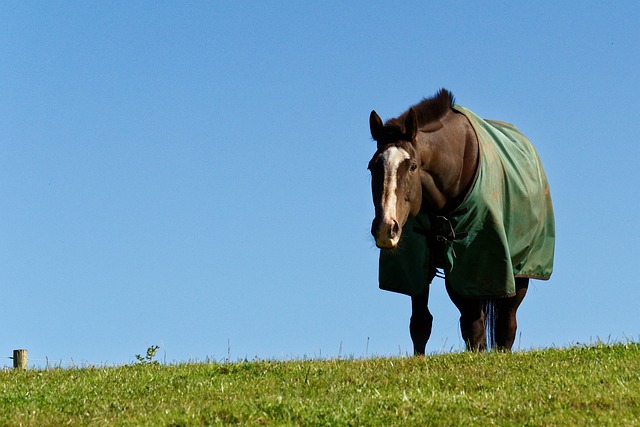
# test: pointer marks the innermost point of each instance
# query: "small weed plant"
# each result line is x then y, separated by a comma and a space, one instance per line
148, 358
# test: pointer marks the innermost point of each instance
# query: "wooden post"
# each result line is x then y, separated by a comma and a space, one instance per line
20, 359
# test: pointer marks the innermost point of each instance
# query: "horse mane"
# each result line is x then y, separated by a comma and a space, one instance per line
427, 111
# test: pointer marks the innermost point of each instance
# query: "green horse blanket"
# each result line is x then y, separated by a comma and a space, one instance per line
502, 230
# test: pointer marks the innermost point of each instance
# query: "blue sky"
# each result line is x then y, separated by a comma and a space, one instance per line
193, 174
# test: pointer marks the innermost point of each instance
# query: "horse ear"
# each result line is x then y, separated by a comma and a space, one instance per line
411, 125
376, 126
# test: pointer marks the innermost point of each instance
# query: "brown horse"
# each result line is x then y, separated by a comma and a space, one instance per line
429, 162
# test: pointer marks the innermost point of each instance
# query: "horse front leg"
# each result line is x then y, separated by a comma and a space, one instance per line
506, 308
421, 322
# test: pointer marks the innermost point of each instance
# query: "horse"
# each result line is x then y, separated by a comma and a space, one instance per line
467, 198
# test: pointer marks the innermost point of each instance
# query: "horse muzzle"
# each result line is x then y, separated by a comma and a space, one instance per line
386, 232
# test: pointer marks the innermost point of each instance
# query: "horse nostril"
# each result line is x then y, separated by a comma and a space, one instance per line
394, 230
386, 232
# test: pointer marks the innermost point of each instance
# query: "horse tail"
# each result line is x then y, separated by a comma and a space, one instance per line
489, 308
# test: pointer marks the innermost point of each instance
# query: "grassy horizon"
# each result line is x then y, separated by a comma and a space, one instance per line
586, 385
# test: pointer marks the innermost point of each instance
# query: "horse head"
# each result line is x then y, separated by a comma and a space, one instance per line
395, 177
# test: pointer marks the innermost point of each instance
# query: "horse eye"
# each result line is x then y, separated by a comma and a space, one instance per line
413, 167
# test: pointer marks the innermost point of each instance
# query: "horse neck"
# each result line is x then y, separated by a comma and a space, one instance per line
449, 157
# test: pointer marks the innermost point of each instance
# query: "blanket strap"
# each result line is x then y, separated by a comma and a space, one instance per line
448, 239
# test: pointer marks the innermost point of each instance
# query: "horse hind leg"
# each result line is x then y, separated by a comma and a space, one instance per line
506, 324
473, 329
421, 322
472, 319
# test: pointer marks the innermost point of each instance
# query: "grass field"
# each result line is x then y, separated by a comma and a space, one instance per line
590, 385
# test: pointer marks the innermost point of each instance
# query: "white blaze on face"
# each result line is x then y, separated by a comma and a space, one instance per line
392, 157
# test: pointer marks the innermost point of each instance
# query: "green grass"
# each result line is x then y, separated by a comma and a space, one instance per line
595, 385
